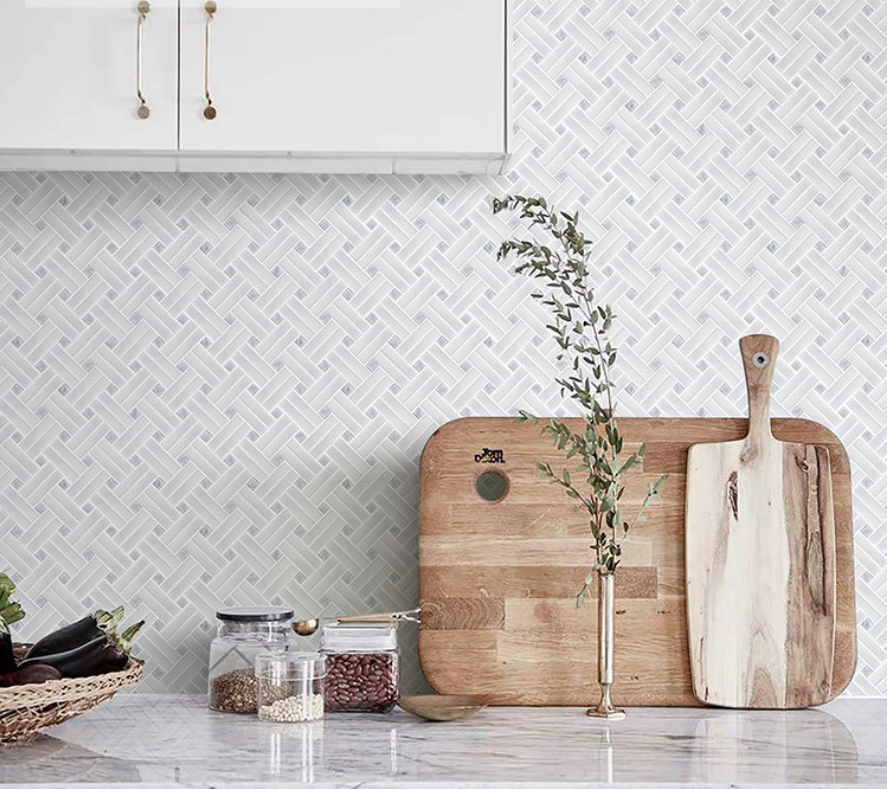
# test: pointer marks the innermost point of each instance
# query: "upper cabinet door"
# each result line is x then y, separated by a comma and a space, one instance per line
68, 75
358, 76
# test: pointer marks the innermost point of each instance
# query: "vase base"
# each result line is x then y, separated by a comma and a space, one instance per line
606, 713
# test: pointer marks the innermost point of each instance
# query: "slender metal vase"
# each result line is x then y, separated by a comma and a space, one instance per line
606, 640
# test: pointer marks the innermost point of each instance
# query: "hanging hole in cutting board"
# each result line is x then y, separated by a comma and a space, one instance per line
492, 486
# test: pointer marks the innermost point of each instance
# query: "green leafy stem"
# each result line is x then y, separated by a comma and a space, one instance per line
10, 612
581, 330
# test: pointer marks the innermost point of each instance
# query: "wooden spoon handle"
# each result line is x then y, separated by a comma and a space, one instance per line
759, 353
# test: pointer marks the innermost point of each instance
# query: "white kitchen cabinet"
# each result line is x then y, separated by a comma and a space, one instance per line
420, 86
68, 77
403, 79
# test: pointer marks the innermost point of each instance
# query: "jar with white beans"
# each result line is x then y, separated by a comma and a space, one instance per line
290, 686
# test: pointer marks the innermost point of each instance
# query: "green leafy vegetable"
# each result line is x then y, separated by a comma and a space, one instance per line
10, 612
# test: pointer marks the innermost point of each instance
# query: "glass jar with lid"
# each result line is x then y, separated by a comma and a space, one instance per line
362, 666
241, 635
291, 686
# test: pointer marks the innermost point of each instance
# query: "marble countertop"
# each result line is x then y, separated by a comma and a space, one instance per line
171, 741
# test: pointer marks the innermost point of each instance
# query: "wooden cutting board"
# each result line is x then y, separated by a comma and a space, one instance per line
760, 549
498, 579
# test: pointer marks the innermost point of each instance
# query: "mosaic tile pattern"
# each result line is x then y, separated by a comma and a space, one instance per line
215, 389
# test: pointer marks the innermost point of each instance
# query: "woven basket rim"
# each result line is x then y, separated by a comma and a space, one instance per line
61, 690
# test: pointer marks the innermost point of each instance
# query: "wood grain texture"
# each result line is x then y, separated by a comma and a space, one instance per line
761, 560
541, 650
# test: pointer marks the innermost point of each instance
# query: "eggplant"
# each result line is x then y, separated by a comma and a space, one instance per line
35, 674
77, 633
84, 648
102, 655
7, 656
10, 613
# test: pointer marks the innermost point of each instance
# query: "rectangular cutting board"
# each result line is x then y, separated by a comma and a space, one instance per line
498, 580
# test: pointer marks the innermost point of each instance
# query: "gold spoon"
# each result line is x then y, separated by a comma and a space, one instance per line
306, 627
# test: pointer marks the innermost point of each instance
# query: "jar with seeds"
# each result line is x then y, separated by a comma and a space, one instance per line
241, 635
362, 661
290, 686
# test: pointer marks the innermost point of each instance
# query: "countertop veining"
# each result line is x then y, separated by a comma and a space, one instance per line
167, 741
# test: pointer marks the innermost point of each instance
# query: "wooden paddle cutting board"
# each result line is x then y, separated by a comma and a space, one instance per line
498, 579
761, 560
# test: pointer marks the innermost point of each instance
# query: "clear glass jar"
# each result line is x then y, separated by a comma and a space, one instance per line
291, 686
362, 666
241, 635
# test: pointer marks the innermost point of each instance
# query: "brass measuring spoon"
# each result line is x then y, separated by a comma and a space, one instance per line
308, 627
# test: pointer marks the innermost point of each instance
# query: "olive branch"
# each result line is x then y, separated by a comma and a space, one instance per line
581, 329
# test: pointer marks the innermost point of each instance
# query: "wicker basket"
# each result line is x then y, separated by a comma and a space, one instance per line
27, 709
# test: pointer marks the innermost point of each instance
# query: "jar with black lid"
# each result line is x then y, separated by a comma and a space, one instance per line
362, 666
241, 635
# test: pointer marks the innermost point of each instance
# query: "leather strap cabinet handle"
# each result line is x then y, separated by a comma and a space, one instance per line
143, 110
209, 112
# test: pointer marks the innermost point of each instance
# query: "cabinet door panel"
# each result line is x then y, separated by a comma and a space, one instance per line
328, 76
69, 75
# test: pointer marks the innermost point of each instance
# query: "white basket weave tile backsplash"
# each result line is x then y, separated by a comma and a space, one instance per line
215, 389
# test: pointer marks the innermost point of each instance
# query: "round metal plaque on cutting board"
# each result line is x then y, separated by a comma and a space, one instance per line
491, 486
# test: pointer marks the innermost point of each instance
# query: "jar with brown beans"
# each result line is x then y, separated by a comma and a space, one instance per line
363, 671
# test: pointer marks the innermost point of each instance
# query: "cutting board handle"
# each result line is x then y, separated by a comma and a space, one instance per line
759, 353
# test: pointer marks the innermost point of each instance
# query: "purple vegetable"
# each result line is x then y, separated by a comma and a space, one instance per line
109, 652
68, 637
7, 658
34, 674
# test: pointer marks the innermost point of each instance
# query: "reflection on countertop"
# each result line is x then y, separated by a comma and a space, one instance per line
173, 740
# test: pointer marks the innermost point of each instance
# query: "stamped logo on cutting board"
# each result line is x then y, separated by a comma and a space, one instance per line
490, 456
